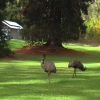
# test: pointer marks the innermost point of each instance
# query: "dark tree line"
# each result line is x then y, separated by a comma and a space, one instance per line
4, 49
54, 21
62, 18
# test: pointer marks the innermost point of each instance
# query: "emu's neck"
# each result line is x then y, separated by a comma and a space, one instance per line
82, 68
42, 61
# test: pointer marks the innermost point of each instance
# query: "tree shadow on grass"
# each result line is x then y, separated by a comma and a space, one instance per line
57, 59
12, 73
18, 82
74, 87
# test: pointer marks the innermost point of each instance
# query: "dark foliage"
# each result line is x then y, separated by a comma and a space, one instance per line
4, 48
62, 18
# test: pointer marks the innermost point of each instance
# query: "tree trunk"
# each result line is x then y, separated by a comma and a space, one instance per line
54, 42
55, 21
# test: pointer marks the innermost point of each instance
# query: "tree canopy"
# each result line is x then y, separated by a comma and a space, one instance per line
54, 21
60, 19
4, 49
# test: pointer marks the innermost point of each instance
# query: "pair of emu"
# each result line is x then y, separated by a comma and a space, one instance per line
50, 67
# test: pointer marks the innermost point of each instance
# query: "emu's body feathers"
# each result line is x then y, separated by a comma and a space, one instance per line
76, 64
49, 67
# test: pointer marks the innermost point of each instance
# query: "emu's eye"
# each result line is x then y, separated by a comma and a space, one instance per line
44, 55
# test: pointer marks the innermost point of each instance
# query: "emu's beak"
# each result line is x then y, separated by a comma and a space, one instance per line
44, 55
85, 68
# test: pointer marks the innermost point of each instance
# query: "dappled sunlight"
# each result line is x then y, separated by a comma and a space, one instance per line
63, 64
30, 82
15, 43
93, 92
23, 78
20, 63
83, 47
15, 82
92, 65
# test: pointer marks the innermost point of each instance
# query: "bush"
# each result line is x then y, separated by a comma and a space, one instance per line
4, 49
97, 30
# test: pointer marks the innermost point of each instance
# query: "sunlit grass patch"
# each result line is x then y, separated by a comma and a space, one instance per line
83, 47
15, 43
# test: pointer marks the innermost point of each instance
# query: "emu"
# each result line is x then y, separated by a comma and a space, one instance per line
76, 64
48, 67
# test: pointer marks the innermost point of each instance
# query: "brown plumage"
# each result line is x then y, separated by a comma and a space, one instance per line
48, 67
76, 64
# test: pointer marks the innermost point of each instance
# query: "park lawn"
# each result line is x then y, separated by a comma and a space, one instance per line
90, 49
14, 43
23, 78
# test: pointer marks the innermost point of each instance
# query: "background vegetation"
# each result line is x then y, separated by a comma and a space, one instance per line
4, 49
92, 21
38, 19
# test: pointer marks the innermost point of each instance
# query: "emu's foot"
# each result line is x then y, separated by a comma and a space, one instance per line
73, 76
48, 81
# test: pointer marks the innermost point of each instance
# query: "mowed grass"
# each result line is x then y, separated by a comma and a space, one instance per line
14, 44
23, 78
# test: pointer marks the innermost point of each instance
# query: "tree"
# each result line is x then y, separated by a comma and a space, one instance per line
12, 11
92, 21
4, 49
62, 18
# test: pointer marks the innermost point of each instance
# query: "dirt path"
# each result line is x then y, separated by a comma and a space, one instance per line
39, 50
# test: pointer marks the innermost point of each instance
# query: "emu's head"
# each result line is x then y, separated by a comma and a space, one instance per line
44, 55
84, 69
69, 65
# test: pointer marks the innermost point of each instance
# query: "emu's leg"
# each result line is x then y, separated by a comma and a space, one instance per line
48, 77
74, 74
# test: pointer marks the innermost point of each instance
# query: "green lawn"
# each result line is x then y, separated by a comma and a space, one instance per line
16, 43
23, 78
